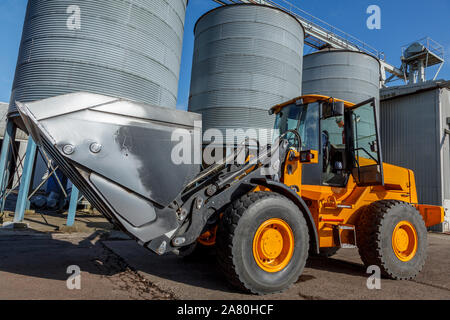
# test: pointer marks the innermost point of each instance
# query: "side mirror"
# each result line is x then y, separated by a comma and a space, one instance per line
335, 109
338, 108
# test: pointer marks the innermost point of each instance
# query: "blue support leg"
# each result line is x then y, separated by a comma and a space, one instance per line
22, 200
73, 206
5, 158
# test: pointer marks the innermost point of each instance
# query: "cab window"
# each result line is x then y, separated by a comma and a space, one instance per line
333, 151
303, 118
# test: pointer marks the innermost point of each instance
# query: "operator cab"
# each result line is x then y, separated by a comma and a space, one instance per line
344, 135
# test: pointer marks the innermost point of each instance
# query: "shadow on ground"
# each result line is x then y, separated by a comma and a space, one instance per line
201, 271
40, 255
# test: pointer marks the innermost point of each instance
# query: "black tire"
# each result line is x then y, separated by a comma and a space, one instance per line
328, 252
187, 252
196, 252
235, 237
374, 237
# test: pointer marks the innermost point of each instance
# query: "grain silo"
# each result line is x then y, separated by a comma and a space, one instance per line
348, 75
247, 58
122, 48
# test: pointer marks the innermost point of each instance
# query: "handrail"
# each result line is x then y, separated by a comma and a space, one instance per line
430, 44
314, 26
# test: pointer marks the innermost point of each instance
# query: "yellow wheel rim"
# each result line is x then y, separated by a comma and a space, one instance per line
404, 241
273, 245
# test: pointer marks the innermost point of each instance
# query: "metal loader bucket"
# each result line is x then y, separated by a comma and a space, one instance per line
118, 153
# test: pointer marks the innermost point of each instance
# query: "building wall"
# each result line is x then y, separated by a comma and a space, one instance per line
413, 136
445, 145
410, 135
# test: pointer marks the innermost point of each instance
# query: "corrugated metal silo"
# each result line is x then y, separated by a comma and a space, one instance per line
247, 58
348, 75
124, 48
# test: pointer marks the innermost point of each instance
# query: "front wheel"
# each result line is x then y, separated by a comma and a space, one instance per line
262, 243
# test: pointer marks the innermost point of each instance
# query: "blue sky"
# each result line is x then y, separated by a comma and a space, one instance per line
403, 21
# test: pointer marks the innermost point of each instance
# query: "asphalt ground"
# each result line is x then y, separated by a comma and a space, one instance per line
33, 265
341, 277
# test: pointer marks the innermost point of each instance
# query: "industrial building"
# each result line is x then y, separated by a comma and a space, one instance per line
415, 134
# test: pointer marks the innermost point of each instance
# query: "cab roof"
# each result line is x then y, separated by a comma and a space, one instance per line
310, 98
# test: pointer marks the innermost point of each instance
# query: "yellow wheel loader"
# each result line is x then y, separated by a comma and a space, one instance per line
320, 186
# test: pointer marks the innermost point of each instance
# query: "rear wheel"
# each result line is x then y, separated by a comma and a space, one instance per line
262, 243
392, 235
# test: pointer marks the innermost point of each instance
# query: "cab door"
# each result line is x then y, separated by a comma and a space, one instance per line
363, 144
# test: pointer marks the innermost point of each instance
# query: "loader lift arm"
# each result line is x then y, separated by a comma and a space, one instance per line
224, 187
